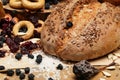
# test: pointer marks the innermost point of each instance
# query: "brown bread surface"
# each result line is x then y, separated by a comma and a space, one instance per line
95, 31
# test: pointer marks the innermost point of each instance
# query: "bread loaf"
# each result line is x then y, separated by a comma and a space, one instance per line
93, 30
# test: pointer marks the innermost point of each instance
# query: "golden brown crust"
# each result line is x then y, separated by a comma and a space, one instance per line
95, 31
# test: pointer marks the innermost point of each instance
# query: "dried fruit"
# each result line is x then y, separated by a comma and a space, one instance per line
22, 76
60, 67
84, 71
18, 72
18, 56
2, 67
31, 76
10, 72
27, 70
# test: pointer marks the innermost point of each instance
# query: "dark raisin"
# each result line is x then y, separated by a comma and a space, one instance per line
27, 70
31, 76
47, 5
84, 71
18, 56
60, 67
39, 56
30, 56
69, 24
1, 44
50, 78
18, 72
5, 2
2, 67
2, 53
39, 59
10, 72
2, 38
22, 76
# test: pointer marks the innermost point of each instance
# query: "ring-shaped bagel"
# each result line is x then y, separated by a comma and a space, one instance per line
33, 5
40, 28
16, 4
29, 32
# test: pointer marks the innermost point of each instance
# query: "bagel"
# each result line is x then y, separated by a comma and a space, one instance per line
29, 32
40, 27
33, 5
15, 4
81, 30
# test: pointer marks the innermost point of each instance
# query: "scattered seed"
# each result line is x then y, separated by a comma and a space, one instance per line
106, 73
111, 68
117, 54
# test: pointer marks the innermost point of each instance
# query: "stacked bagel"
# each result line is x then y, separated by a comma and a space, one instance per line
27, 4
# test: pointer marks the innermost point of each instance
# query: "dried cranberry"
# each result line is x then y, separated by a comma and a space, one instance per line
12, 45
2, 53
29, 45
17, 39
24, 50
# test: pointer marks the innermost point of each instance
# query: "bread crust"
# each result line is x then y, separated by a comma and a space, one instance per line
95, 31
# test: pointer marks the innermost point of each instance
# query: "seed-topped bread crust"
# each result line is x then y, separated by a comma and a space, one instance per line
95, 30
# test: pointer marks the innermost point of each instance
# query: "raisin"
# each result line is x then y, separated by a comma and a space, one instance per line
18, 56
60, 67
1, 44
84, 71
69, 24
10, 72
27, 70
47, 5
2, 53
2, 67
30, 56
39, 59
5, 2
31, 76
18, 72
22, 76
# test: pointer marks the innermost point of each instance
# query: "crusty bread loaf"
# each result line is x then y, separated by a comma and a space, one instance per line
95, 31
